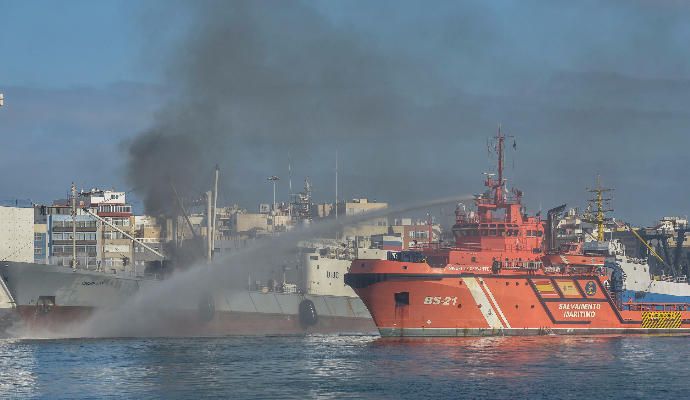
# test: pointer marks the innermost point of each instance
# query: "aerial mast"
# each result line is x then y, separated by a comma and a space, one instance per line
597, 209
500, 152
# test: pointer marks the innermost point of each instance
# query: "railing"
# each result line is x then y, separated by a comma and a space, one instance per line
671, 278
655, 307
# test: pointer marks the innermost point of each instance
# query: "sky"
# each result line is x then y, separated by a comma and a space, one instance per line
407, 92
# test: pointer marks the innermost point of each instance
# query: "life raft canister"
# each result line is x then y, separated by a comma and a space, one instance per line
307, 313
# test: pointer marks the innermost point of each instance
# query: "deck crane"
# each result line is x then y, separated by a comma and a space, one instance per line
663, 239
677, 253
127, 235
648, 246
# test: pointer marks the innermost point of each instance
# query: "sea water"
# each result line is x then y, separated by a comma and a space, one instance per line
341, 367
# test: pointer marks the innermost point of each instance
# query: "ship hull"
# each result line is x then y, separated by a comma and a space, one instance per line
55, 301
62, 320
471, 332
485, 305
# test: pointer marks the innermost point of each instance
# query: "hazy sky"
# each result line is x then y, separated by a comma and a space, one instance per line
407, 91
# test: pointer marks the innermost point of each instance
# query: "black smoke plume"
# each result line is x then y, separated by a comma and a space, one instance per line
408, 92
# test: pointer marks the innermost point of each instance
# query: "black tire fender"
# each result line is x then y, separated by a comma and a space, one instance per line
307, 313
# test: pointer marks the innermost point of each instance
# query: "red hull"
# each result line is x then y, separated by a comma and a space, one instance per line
473, 304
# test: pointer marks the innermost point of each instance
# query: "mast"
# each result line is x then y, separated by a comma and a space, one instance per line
289, 175
215, 204
600, 204
499, 184
73, 193
501, 140
290, 196
336, 184
209, 229
430, 222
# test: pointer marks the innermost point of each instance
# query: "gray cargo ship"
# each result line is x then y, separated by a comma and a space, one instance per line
38, 299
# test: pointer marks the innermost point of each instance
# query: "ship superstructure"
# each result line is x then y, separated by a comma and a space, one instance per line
502, 277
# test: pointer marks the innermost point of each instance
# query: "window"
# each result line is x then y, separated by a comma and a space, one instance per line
401, 298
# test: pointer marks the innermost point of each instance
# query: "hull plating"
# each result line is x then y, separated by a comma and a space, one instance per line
58, 321
477, 305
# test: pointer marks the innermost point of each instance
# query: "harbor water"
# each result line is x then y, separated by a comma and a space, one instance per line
339, 367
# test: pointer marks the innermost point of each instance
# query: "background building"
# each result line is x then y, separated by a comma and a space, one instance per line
17, 234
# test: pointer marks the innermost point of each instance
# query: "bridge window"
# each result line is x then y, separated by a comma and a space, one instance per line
406, 256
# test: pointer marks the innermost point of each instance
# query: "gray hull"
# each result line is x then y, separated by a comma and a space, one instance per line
30, 284
51, 296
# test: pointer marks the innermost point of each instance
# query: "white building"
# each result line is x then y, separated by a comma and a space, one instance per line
17, 234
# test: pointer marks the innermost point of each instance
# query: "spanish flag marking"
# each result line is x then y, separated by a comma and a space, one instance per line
545, 288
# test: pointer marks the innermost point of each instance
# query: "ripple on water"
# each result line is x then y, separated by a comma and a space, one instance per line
346, 367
